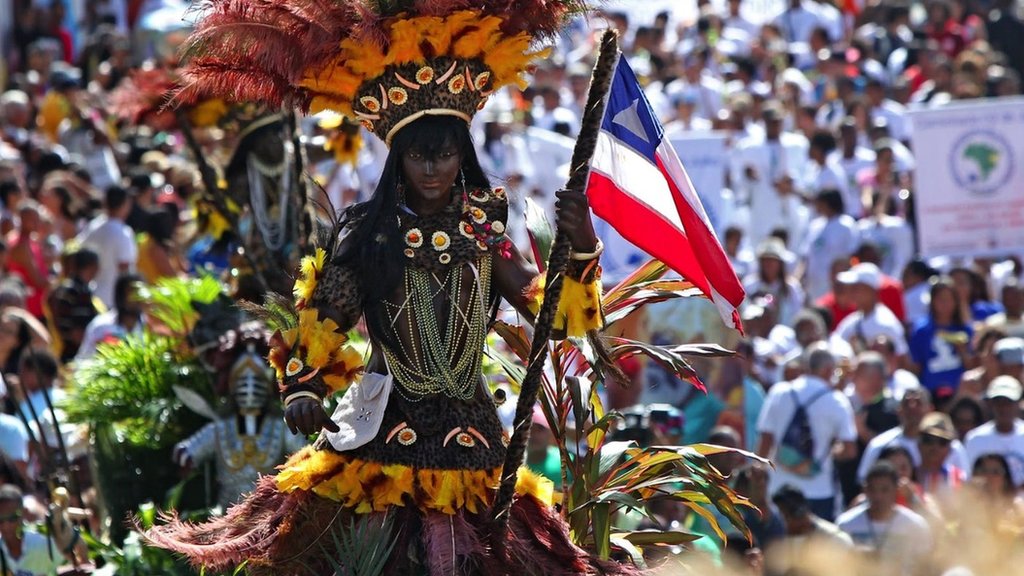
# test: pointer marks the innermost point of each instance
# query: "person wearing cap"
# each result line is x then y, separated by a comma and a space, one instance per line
1009, 353
764, 168
935, 475
872, 318
684, 102
772, 279
831, 236
875, 411
1004, 434
914, 405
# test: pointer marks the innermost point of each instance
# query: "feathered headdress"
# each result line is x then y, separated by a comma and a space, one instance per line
383, 62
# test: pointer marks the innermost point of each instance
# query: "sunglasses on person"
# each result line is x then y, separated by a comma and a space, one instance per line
928, 440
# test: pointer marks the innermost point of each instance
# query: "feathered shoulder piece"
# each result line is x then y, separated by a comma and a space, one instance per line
383, 62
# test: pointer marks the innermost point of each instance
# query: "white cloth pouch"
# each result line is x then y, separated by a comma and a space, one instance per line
361, 411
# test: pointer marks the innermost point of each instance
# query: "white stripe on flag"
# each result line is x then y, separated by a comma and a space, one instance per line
674, 167
636, 176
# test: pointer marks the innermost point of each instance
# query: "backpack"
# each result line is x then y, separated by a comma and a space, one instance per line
795, 453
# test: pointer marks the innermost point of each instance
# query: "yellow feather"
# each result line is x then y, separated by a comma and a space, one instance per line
478, 41
573, 306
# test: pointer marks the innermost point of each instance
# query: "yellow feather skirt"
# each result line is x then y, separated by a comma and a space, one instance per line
373, 487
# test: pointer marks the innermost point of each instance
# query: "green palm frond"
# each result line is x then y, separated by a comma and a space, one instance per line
171, 300
132, 382
364, 545
277, 312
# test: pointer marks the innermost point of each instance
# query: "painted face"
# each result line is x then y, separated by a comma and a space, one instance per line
430, 176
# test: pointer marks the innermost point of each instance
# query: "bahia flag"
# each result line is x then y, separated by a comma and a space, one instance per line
638, 185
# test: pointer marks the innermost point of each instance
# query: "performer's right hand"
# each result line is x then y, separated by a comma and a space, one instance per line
307, 416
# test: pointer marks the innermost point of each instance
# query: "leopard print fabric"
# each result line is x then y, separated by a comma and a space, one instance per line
449, 433
433, 243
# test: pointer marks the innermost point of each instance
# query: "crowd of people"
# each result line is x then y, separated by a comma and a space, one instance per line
884, 389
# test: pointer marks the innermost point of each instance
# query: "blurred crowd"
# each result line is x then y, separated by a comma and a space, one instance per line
885, 389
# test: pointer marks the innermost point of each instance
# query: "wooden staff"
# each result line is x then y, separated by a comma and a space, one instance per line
557, 262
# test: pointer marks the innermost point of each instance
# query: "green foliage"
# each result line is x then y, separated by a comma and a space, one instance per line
170, 300
363, 545
130, 384
126, 395
600, 478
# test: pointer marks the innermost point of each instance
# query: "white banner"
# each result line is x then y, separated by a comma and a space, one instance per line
969, 182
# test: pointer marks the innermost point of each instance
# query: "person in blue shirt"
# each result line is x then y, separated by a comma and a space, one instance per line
940, 344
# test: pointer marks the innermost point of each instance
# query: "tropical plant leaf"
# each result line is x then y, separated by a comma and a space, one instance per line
655, 537
674, 362
513, 371
542, 236
171, 300
362, 547
515, 337
194, 402
635, 555
652, 270
610, 455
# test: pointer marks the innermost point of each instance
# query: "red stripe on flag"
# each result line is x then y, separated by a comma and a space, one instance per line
711, 258
636, 222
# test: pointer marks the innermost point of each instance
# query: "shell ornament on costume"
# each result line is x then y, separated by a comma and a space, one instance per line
465, 440
414, 238
440, 241
293, 367
406, 437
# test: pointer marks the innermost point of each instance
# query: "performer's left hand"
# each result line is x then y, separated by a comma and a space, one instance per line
572, 215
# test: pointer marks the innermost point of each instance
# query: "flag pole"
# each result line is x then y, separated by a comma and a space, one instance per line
593, 114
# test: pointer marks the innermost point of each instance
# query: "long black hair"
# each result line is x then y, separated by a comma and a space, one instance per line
374, 244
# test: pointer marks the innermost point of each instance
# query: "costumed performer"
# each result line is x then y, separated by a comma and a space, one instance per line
415, 444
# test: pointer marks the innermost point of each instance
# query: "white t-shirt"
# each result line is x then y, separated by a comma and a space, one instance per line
13, 438
916, 301
827, 240
818, 178
862, 158
895, 241
986, 440
830, 418
796, 24
39, 556
880, 322
100, 329
905, 538
114, 241
894, 436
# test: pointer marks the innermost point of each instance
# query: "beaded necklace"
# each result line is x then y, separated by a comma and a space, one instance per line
435, 363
